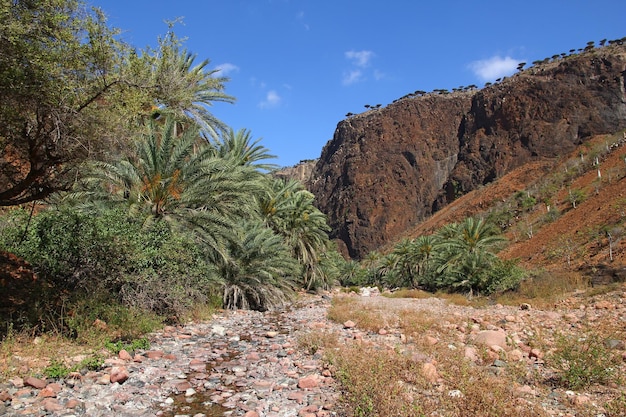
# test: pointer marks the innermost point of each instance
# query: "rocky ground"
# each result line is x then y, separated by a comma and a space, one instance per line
245, 363
242, 363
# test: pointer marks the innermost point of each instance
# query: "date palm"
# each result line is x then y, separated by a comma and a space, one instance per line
243, 150
259, 271
466, 256
185, 90
178, 179
288, 209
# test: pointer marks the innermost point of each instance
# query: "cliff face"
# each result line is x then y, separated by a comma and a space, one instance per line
301, 171
388, 169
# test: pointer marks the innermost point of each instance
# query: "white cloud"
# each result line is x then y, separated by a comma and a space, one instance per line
223, 70
351, 77
494, 68
272, 99
359, 58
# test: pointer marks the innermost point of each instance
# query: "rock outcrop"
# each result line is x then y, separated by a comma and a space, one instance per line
301, 171
389, 168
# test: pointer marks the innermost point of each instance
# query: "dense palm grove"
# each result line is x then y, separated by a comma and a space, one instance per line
120, 186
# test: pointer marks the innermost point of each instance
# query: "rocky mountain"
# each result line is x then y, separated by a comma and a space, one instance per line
390, 168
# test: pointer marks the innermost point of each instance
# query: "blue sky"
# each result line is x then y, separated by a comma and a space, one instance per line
297, 67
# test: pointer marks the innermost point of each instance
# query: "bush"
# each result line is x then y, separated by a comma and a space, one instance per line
582, 361
110, 257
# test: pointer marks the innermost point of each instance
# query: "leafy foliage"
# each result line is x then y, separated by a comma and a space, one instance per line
458, 258
288, 210
583, 361
259, 271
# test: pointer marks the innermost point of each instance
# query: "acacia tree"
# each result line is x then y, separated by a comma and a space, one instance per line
57, 65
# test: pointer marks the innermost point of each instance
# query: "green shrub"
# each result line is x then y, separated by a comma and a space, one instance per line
582, 361
135, 344
109, 257
56, 370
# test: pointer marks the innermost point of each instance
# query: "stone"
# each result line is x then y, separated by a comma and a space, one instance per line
124, 355
491, 338
31, 381
349, 324
429, 340
535, 353
218, 330
17, 382
251, 413
471, 354
271, 334
100, 325
73, 403
308, 382
429, 370
119, 374
154, 354
47, 393
104, 379
515, 355
51, 405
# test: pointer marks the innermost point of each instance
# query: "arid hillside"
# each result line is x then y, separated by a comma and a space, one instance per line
388, 169
534, 204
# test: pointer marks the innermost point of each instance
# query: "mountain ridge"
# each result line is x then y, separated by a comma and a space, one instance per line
388, 169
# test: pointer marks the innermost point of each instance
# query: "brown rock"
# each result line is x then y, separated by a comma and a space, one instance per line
429, 370
51, 405
72, 403
471, 354
387, 169
4, 396
349, 324
491, 338
17, 382
31, 381
124, 355
251, 413
431, 340
154, 354
47, 393
308, 410
119, 374
297, 396
535, 353
99, 324
515, 355
309, 381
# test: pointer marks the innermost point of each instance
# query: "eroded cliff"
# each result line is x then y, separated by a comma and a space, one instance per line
389, 168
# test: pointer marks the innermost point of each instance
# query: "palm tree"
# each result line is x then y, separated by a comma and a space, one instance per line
185, 90
465, 256
243, 150
288, 209
179, 180
259, 271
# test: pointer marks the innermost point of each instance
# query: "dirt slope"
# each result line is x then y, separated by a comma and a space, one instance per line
577, 238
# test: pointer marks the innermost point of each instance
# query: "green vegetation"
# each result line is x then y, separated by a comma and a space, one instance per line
582, 361
154, 208
458, 258
116, 347
58, 370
